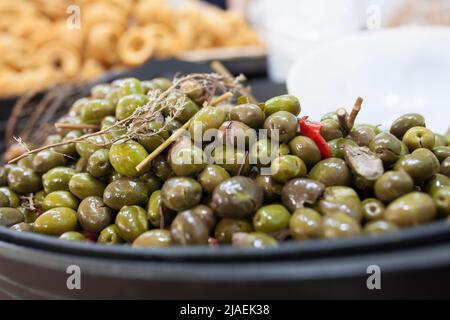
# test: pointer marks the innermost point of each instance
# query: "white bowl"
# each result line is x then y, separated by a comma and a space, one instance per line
396, 71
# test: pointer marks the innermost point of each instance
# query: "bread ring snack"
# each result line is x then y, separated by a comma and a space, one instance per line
102, 42
61, 57
136, 45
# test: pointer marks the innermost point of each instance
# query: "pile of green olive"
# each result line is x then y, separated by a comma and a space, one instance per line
88, 192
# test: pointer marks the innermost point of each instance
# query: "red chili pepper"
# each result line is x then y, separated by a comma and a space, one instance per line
312, 130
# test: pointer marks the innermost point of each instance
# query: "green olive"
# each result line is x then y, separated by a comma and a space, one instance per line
419, 137
57, 199
157, 134
13, 198
441, 198
157, 83
263, 151
271, 218
110, 235
94, 215
151, 182
436, 182
26, 162
22, 227
281, 126
248, 113
98, 163
128, 104
155, 208
129, 86
419, 166
441, 153
69, 149
341, 200
288, 103
235, 161
181, 106
388, 148
84, 185
124, 192
339, 225
4, 201
94, 111
76, 107
331, 130
131, 222
189, 229
237, 197
56, 221
440, 140
379, 227
306, 149
257, 240
45, 160
181, 193
126, 156
100, 91
406, 122
305, 223
372, 209
297, 192
331, 172
157, 238
337, 146
445, 167
72, 236
287, 167
57, 179
411, 209
161, 168
236, 134
88, 146
393, 184
271, 188
227, 227
362, 135
186, 159
24, 180
10, 217
3, 176
207, 118
212, 176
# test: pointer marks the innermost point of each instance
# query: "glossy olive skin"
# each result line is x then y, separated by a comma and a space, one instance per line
340, 199
45, 160
186, 159
411, 209
287, 167
237, 197
72, 236
248, 113
393, 184
151, 182
69, 149
57, 199
189, 229
212, 176
95, 110
10, 217
236, 134
270, 187
206, 214
207, 118
379, 227
93, 215
436, 182
441, 198
181, 193
418, 137
372, 209
258, 240
331, 172
271, 218
157, 238
128, 86
339, 225
419, 166
13, 198
337, 146
84, 185
126, 156
90, 145
24, 180
188, 110
155, 208
227, 227
56, 221
110, 235
306, 149
281, 126
131, 222
157, 83
331, 130
3, 176
22, 227
4, 201
362, 135
441, 152
440, 140
128, 104
263, 151
77, 105
98, 163
305, 223
161, 168
124, 192
387, 147
287, 102
235, 161
445, 167
406, 122
57, 179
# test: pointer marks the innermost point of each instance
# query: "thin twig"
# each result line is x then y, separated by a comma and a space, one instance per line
226, 96
342, 117
354, 113
13, 118
76, 126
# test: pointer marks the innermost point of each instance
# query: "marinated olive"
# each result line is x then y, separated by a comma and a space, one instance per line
157, 213
157, 238
227, 227
237, 197
440, 140
84, 185
45, 160
272, 189
13, 198
69, 149
57, 179
189, 229
297, 192
186, 159
341, 200
306, 149
288, 103
441, 198
337, 146
235, 161
93, 214
24, 180
281, 126
411, 209
126, 156
445, 167
212, 176
181, 106
161, 168
124, 192
56, 221
128, 104
207, 118
393, 184
257, 240
418, 137
131, 221
250, 114
181, 193
419, 166
372, 209
287, 167
331, 172
339, 225
441, 152
236, 134
305, 223
263, 151
95, 110
22, 227
406, 122
271, 218
379, 227
72, 236
10, 217
331, 130
57, 199
130, 86
387, 147
88, 146
110, 235
98, 163
362, 135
